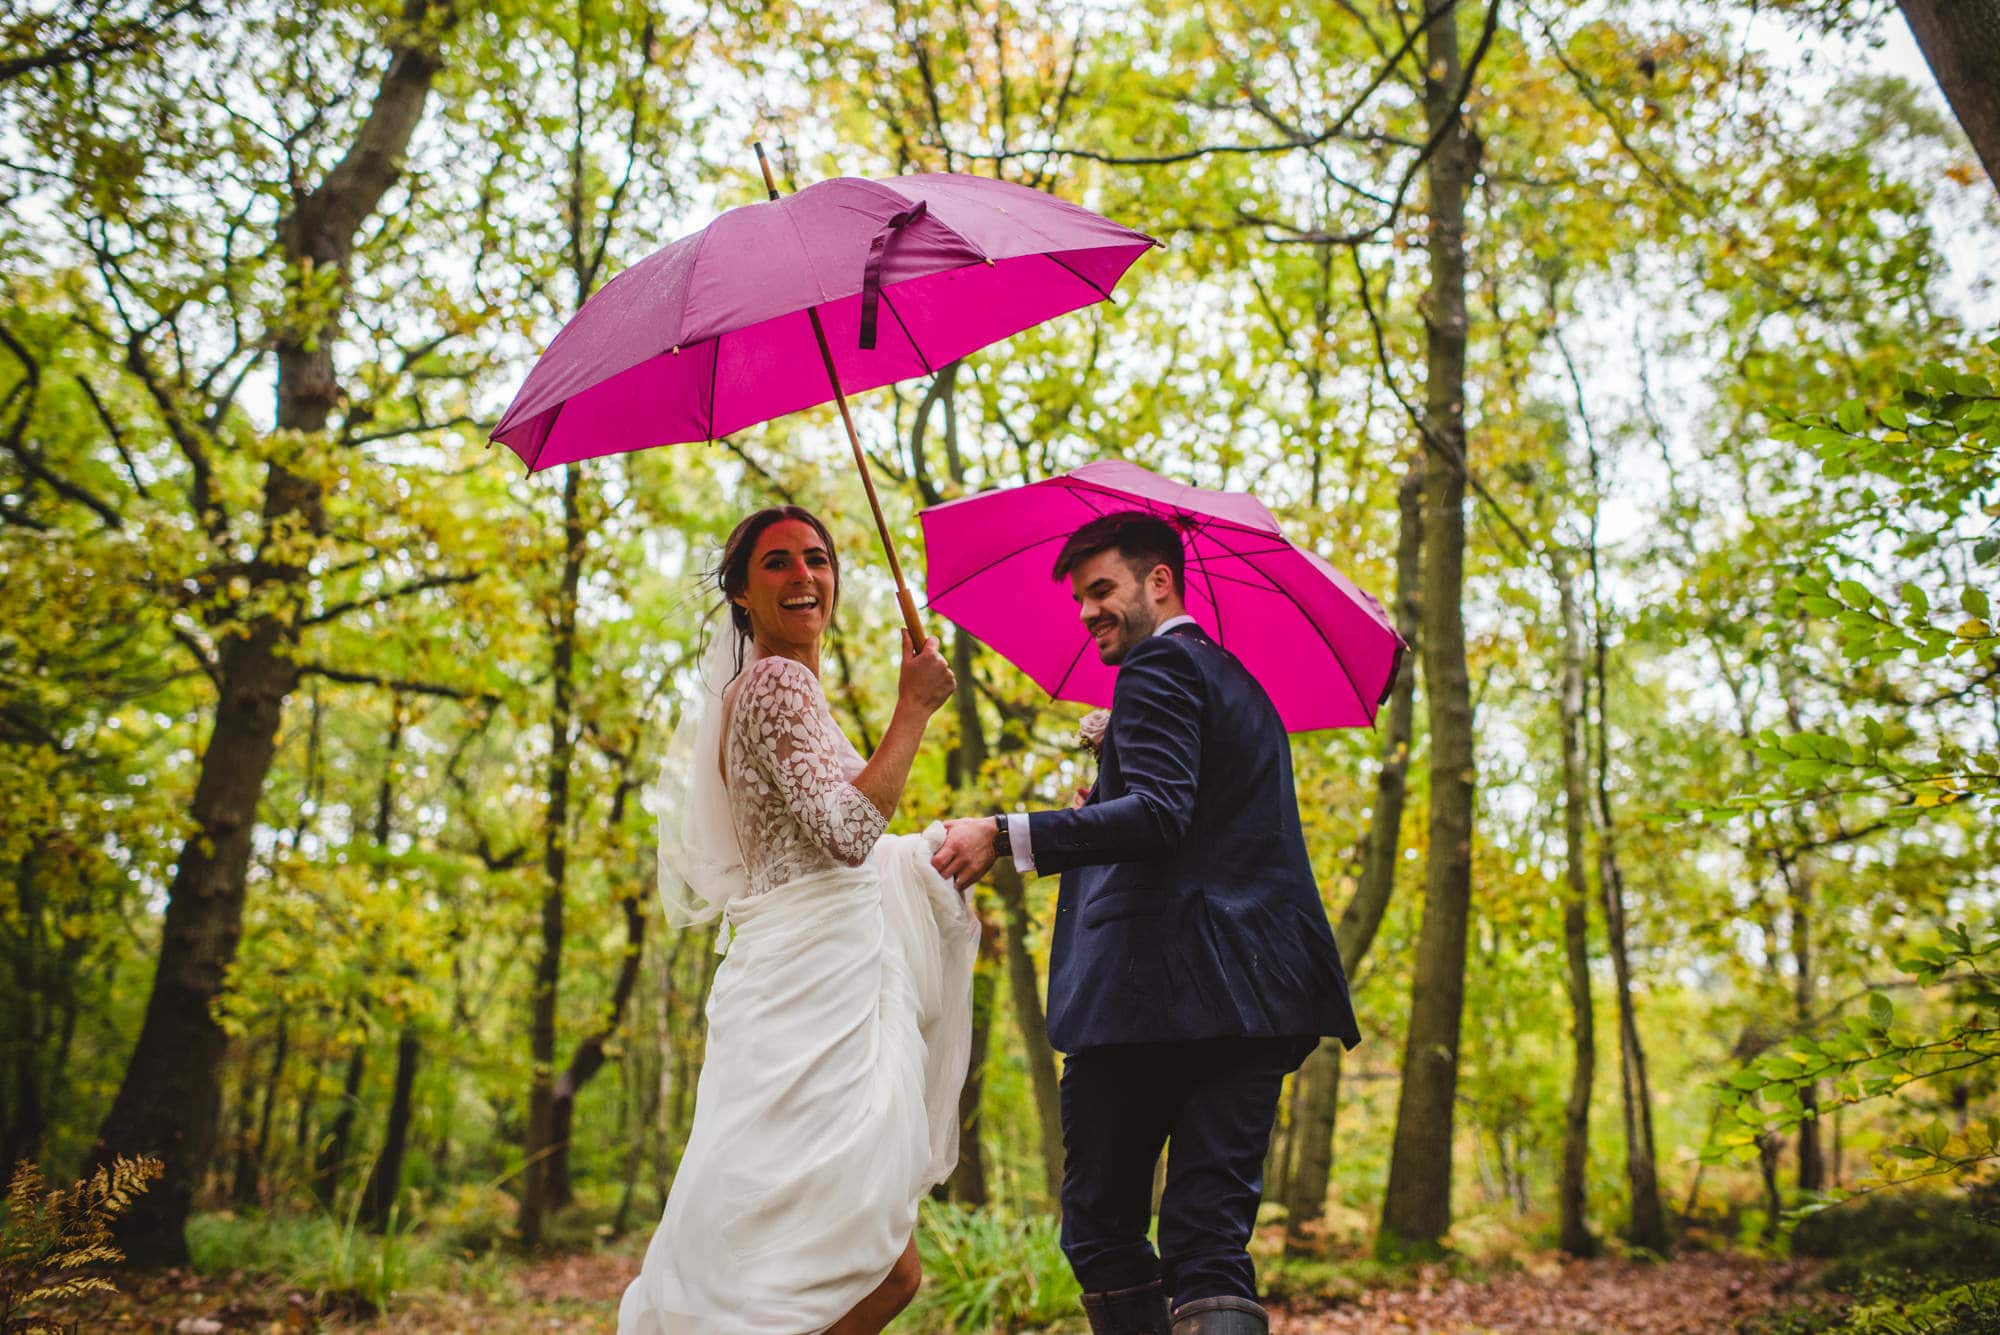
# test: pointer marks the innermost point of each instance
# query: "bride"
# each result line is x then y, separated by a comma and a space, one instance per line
839, 1025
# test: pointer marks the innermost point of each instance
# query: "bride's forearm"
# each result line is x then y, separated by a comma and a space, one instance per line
881, 781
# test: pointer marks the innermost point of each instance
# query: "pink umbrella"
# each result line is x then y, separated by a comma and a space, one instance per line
844, 286
1322, 648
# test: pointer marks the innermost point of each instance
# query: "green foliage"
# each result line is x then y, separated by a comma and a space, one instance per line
989, 1270
1912, 486
1913, 1237
1915, 1263
1914, 482
53, 1240
1969, 1309
1874, 1056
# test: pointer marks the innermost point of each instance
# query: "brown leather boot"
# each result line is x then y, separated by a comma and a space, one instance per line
1140, 1311
1221, 1316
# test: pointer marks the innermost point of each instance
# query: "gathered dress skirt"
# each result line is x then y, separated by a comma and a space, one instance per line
839, 1027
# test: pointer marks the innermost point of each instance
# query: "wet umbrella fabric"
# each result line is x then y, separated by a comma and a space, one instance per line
711, 335
1324, 650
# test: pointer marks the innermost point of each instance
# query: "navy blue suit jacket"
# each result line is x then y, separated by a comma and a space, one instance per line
1188, 909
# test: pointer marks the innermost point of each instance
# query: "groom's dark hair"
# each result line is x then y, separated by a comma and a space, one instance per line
1144, 540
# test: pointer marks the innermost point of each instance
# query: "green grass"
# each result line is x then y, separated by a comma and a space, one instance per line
985, 1270
341, 1265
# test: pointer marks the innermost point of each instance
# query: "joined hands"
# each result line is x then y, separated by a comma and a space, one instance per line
967, 853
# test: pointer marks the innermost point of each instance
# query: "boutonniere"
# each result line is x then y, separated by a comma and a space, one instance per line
1090, 730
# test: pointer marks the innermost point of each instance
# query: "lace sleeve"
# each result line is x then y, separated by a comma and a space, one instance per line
793, 741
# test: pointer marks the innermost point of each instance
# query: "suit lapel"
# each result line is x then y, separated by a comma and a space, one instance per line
1191, 629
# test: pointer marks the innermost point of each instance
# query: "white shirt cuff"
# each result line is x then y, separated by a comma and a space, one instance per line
1023, 842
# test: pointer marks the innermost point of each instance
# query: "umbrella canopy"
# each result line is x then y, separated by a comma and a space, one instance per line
714, 333
1323, 649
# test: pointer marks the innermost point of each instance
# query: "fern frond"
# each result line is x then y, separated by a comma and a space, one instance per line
44, 1230
74, 1287
95, 1253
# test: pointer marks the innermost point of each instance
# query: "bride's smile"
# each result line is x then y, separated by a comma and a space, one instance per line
792, 589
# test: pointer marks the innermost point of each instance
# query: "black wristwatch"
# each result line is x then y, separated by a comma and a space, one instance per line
1003, 843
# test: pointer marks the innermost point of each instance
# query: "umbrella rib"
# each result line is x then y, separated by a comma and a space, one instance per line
969, 576
900, 324
1278, 588
687, 290
1265, 587
1069, 671
1073, 484
714, 369
1081, 494
1339, 661
1056, 259
547, 435
1215, 603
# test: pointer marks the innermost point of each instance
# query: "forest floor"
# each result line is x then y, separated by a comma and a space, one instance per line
1696, 1294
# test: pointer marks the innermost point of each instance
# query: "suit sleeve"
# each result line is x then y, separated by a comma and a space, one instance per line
1156, 718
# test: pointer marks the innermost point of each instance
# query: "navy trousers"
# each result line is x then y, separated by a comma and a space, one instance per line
1210, 1103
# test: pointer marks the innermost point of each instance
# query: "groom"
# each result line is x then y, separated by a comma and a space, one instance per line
1192, 966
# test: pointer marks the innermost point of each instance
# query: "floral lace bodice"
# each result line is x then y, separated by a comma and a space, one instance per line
791, 779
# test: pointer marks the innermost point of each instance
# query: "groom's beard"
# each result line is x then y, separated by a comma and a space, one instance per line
1133, 628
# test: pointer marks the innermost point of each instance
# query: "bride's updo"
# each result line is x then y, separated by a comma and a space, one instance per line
733, 575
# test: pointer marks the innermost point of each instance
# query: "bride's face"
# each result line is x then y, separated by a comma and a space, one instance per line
790, 591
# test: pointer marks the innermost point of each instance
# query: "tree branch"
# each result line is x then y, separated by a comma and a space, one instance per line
397, 684
337, 610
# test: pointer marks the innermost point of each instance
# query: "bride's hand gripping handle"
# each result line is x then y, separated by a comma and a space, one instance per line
925, 683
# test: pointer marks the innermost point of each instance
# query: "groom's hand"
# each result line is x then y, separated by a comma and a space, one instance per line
967, 853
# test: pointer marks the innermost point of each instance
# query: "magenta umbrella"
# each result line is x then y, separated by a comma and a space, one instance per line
844, 286
1322, 648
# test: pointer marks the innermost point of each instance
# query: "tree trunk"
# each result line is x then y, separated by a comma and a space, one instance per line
1024, 989
1417, 1210
1767, 1171
248, 1188
167, 1102
330, 1156
1573, 1207
25, 1106
1319, 1078
1812, 1164
650, 1065
1800, 893
1648, 1224
538, 1186
385, 1180
967, 1184
1961, 41
589, 1056
968, 760
303, 1126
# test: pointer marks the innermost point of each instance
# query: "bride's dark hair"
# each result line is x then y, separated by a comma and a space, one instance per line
732, 576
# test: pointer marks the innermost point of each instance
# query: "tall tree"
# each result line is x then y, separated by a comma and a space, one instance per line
1354, 933
385, 1178
1417, 1208
167, 1102
1572, 1194
538, 1187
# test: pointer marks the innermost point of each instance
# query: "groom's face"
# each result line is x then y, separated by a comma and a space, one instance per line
1114, 604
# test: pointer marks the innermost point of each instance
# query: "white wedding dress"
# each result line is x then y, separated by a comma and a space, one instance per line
839, 1025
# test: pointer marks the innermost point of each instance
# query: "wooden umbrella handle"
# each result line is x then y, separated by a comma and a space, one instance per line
911, 621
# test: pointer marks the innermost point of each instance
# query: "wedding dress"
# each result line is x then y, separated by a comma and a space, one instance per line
839, 1024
